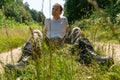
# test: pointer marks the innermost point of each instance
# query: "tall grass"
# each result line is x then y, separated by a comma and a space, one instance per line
53, 63
99, 28
57, 64
14, 33
63, 67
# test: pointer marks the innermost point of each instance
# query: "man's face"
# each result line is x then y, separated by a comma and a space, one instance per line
56, 11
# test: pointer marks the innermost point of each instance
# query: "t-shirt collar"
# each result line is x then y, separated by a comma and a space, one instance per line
55, 19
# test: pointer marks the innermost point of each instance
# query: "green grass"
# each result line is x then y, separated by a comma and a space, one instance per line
55, 65
13, 38
14, 34
99, 28
62, 65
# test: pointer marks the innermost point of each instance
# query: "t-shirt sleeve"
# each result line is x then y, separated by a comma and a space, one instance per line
66, 22
46, 21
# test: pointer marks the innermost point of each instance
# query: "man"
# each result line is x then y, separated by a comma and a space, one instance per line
57, 30
57, 27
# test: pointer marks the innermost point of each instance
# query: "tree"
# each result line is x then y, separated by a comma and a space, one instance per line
78, 9
17, 11
5, 2
26, 5
37, 16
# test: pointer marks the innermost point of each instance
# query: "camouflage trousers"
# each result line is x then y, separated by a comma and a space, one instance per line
74, 37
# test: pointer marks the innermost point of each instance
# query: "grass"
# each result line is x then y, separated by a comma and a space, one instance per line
60, 64
63, 66
99, 28
13, 38
14, 35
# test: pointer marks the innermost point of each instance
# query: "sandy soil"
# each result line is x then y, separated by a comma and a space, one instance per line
9, 57
112, 50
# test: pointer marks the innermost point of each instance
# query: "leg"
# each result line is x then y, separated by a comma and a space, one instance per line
88, 54
28, 49
86, 51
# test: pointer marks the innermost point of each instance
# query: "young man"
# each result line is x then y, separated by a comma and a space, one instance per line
56, 26
57, 29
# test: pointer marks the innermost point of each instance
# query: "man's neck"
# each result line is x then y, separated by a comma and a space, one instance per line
56, 18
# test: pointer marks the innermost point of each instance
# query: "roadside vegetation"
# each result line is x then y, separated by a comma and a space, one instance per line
14, 34
99, 24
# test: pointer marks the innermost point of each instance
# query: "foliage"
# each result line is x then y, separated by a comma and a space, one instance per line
79, 9
12, 33
5, 3
113, 10
15, 9
106, 3
100, 28
37, 16
18, 12
1, 18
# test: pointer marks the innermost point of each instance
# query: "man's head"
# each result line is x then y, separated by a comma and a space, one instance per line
57, 10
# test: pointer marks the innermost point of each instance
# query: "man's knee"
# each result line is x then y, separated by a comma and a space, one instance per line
75, 34
76, 31
37, 34
36, 38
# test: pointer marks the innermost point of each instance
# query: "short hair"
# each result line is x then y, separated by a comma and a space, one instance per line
57, 4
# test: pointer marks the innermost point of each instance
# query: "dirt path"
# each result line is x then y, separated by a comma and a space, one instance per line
112, 50
108, 49
9, 57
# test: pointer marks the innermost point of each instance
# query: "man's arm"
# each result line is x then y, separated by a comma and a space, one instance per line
45, 27
44, 31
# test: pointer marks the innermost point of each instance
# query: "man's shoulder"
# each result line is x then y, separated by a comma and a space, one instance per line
47, 19
63, 17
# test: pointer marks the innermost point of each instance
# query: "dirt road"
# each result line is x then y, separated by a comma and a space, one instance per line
9, 57
112, 50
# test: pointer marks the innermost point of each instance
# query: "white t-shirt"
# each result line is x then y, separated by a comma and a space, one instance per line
56, 28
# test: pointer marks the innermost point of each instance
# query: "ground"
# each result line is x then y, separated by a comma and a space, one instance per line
109, 49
